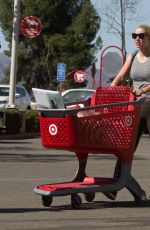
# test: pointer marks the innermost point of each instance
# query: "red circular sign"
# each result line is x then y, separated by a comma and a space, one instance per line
79, 76
30, 26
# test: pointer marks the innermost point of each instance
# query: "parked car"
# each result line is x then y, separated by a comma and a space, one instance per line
22, 99
74, 95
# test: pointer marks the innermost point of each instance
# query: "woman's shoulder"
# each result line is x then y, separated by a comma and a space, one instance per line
133, 54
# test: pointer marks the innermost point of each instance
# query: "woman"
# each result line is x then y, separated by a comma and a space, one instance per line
139, 68
139, 72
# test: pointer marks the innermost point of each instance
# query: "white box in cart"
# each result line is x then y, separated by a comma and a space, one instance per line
48, 99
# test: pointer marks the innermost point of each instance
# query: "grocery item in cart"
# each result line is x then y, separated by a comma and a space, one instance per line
48, 99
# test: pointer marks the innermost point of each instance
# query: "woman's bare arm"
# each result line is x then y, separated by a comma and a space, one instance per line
123, 72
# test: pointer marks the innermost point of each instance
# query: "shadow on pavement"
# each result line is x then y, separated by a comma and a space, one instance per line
42, 158
85, 206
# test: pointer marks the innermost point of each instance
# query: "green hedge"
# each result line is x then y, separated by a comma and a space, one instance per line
32, 121
14, 121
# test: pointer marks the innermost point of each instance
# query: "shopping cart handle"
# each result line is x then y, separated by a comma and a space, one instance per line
73, 111
144, 97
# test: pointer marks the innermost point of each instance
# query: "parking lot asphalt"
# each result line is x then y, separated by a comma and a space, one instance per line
25, 163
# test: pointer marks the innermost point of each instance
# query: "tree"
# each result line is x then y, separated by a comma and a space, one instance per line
116, 15
68, 36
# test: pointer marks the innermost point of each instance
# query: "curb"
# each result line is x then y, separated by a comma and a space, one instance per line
17, 136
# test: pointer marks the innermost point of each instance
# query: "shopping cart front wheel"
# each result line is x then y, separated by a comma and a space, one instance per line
47, 201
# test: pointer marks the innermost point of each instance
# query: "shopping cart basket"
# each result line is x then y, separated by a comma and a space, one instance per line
111, 129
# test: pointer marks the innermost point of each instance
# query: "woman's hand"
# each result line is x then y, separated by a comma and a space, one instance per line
138, 92
143, 90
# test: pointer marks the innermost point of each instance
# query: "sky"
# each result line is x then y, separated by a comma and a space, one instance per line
3, 43
143, 17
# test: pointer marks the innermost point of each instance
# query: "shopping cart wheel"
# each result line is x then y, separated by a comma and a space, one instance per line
76, 201
89, 196
142, 199
47, 201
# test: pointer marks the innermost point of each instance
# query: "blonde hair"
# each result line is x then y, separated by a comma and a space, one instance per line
146, 28
147, 32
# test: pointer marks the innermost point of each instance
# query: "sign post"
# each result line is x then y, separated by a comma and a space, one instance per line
13, 68
61, 74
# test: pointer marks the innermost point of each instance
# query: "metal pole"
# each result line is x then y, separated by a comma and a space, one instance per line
13, 68
101, 59
123, 26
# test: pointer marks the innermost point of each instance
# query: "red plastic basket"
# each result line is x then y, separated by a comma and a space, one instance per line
109, 132
113, 130
113, 94
103, 133
58, 132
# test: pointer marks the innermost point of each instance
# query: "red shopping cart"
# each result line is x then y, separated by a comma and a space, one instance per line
111, 129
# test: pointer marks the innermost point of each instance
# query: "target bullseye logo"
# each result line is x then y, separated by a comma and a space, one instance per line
128, 120
53, 129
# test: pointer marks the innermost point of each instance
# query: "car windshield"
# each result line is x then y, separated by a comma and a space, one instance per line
4, 91
74, 96
20, 91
